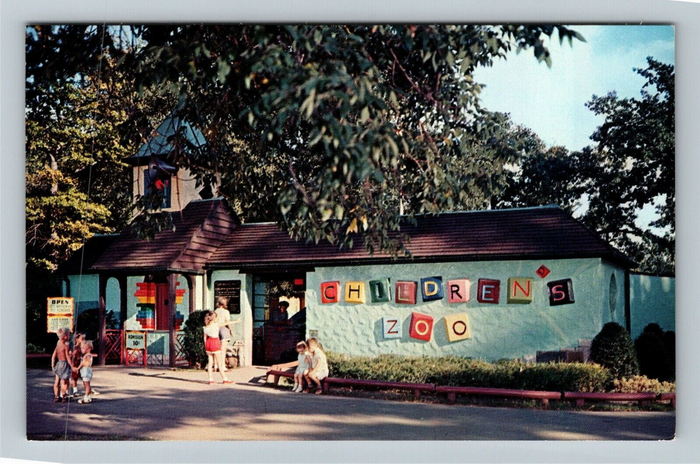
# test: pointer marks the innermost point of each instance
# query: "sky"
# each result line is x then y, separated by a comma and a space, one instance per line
551, 101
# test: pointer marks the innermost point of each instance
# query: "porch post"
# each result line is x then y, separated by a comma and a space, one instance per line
172, 304
122, 302
101, 319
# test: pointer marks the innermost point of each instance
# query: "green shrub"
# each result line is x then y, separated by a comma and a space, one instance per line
194, 339
613, 348
656, 353
456, 371
641, 383
32, 348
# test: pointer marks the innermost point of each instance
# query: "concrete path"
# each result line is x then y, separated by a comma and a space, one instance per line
163, 404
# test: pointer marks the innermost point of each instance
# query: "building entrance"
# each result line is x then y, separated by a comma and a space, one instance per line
279, 316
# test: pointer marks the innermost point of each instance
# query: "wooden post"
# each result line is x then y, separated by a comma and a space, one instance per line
172, 304
102, 330
122, 302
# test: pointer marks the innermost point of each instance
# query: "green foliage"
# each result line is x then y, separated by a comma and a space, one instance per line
333, 131
456, 371
631, 166
194, 339
656, 352
613, 348
641, 383
31, 348
635, 158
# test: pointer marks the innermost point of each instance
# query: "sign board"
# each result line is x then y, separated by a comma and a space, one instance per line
135, 340
59, 313
53, 323
230, 289
59, 305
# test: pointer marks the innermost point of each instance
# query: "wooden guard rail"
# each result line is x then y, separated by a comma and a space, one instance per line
543, 396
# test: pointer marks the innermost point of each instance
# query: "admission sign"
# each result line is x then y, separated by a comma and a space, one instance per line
59, 313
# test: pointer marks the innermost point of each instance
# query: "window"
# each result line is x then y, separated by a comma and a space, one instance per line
612, 295
148, 185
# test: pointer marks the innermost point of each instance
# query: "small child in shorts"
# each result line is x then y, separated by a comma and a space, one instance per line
76, 357
304, 360
61, 366
85, 369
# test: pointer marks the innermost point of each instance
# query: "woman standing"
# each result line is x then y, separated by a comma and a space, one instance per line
212, 345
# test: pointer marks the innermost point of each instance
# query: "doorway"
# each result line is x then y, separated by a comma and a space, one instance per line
275, 334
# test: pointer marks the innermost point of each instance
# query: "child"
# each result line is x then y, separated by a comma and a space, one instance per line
85, 368
212, 345
319, 366
76, 357
61, 366
304, 360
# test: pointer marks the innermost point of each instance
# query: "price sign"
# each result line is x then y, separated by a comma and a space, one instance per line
135, 340
53, 323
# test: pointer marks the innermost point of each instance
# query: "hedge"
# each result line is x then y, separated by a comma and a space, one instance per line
456, 371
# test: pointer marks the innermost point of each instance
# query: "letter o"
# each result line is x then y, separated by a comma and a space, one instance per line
425, 325
464, 327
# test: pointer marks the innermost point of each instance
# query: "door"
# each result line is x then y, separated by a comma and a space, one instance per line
274, 341
162, 306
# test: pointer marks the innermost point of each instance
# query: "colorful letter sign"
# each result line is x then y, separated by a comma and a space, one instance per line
330, 291
391, 327
406, 292
488, 291
431, 288
457, 327
380, 291
561, 292
421, 326
458, 290
519, 290
355, 292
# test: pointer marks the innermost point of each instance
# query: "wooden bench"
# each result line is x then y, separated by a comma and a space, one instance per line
542, 396
417, 388
581, 397
277, 374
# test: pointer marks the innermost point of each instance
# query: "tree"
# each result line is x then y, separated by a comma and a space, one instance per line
635, 158
547, 175
334, 131
613, 348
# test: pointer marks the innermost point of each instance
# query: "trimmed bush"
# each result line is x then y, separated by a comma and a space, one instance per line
613, 348
456, 371
641, 383
656, 352
194, 339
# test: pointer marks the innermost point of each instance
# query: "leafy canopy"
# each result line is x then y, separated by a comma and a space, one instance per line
337, 130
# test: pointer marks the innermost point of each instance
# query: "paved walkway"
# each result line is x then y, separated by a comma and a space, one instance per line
163, 404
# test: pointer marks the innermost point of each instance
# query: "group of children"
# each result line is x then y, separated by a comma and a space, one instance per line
71, 364
312, 366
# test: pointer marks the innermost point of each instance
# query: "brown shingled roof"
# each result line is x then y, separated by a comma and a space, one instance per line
198, 231
520, 233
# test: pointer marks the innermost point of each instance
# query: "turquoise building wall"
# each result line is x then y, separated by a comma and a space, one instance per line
243, 330
652, 299
85, 290
497, 330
